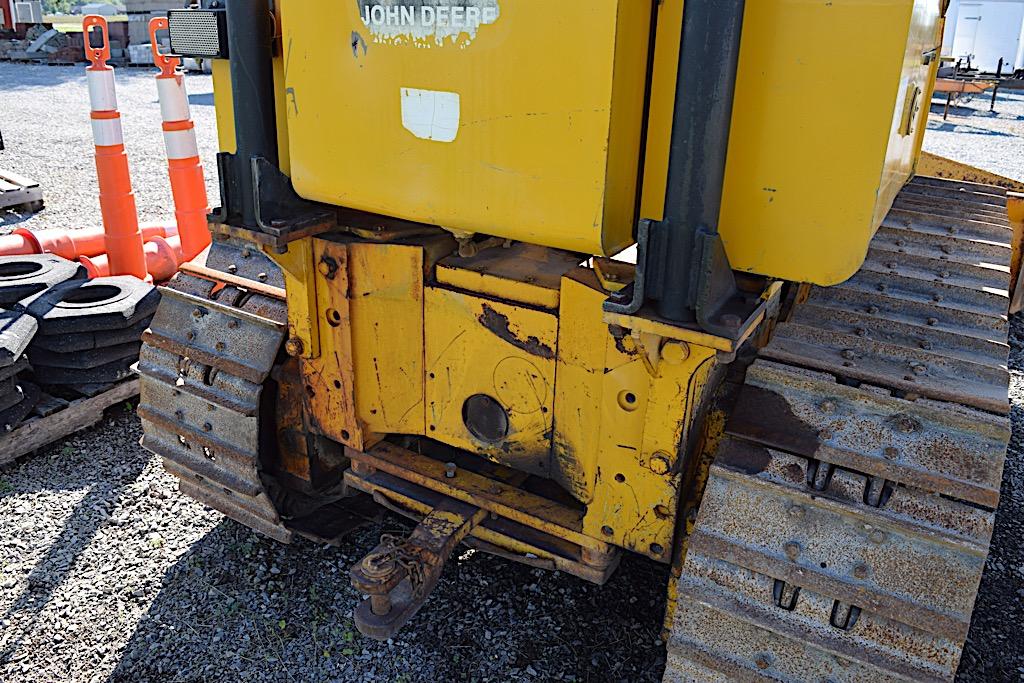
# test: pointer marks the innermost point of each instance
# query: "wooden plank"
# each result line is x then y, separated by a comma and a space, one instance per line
80, 414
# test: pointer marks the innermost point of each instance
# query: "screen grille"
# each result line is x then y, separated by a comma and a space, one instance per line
198, 33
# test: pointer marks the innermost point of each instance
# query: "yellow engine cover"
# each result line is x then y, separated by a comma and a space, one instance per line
516, 118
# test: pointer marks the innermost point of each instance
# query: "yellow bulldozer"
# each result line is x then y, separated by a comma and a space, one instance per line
563, 280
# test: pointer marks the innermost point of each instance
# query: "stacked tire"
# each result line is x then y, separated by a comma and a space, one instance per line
90, 332
21, 279
65, 334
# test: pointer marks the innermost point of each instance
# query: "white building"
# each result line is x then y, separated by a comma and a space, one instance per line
986, 30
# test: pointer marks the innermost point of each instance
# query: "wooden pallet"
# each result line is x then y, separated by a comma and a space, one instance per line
18, 192
55, 419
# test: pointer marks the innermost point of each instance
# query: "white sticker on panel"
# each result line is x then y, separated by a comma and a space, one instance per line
431, 114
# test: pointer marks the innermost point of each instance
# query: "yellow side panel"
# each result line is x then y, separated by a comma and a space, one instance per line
226, 112
329, 396
476, 346
817, 151
527, 126
580, 370
645, 423
386, 307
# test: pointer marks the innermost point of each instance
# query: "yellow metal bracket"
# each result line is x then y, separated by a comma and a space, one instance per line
770, 300
303, 324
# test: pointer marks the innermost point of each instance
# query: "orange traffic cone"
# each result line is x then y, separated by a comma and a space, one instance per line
185, 170
117, 201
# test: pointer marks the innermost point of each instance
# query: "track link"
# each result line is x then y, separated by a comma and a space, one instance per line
847, 516
204, 363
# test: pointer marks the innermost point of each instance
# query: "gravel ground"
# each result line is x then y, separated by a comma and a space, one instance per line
107, 573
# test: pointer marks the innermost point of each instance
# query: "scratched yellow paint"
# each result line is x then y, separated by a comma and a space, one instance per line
297, 266
549, 126
578, 383
386, 304
477, 346
644, 418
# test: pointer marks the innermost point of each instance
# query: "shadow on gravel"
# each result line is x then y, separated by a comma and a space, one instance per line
952, 126
81, 526
240, 607
32, 76
9, 218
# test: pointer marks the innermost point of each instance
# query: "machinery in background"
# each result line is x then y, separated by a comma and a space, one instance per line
796, 397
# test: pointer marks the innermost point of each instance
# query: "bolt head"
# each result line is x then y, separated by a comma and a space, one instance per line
861, 571
294, 347
675, 353
660, 463
792, 550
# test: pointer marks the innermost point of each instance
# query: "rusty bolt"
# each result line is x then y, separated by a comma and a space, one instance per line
951, 230
190, 335
849, 354
377, 565
900, 243
860, 571
246, 253
937, 298
180, 414
882, 287
294, 346
919, 368
449, 470
872, 309
925, 344
762, 661
197, 313
946, 249
324, 267
207, 427
877, 536
944, 274
932, 321
828, 406
861, 332
660, 463
891, 452
792, 549
797, 511
220, 346
891, 265
232, 324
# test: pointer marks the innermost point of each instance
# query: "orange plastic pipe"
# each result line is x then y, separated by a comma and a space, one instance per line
17, 244
188, 186
122, 238
163, 257
71, 244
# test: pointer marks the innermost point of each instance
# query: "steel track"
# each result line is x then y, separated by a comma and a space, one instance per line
848, 512
205, 361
